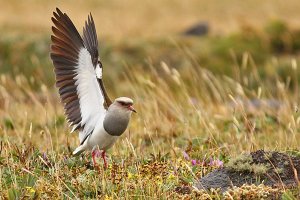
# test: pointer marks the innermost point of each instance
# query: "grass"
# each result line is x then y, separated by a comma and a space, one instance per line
179, 110
209, 98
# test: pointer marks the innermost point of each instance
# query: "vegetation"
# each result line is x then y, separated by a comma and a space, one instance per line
244, 163
199, 99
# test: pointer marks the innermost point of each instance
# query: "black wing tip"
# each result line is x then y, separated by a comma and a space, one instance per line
91, 20
90, 16
54, 29
59, 12
54, 20
57, 16
56, 13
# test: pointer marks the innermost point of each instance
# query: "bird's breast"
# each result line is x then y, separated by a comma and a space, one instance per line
115, 125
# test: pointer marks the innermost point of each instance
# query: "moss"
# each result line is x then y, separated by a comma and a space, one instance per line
244, 163
286, 163
279, 170
260, 168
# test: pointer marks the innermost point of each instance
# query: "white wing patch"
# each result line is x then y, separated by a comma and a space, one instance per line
89, 93
98, 71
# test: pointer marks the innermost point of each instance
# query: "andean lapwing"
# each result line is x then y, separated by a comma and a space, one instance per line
78, 72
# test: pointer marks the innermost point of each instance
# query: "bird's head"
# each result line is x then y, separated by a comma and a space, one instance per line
125, 104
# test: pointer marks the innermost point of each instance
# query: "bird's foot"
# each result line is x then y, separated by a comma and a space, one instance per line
104, 159
95, 153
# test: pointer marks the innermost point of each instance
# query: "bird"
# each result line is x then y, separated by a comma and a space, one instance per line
78, 73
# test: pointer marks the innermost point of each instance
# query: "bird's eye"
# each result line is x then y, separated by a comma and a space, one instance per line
122, 103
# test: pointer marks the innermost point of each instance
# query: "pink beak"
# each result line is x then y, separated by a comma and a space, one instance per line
132, 109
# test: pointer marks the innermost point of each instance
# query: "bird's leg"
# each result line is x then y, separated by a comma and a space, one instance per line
95, 153
104, 159
93, 157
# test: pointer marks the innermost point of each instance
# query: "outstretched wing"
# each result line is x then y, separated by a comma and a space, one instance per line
78, 73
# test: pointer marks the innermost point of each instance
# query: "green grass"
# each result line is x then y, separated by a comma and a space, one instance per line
193, 95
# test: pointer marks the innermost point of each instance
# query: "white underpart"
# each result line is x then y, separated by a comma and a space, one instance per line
89, 94
100, 138
98, 71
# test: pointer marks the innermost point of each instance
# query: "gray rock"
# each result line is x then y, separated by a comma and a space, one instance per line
279, 172
198, 29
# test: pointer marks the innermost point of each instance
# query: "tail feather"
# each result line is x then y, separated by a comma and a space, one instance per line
78, 150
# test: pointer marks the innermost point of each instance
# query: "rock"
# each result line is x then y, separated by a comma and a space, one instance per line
198, 29
273, 169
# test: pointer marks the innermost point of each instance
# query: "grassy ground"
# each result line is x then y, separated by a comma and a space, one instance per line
207, 99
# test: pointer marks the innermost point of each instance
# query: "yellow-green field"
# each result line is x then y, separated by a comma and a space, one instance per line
213, 97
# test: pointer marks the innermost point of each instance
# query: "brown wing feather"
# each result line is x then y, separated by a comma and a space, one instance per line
66, 44
65, 48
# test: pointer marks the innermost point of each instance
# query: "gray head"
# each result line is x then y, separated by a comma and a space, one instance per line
118, 116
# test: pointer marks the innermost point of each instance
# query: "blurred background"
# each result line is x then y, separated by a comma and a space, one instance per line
135, 33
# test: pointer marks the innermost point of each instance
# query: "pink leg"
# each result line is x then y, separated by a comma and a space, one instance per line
94, 153
104, 159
